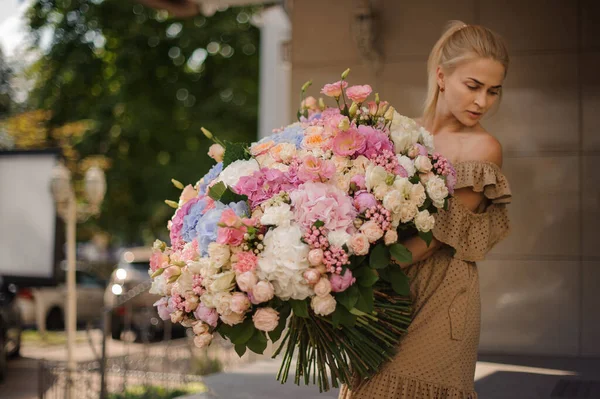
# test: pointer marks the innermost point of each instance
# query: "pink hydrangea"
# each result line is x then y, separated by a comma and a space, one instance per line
376, 141
264, 184
325, 202
246, 262
177, 223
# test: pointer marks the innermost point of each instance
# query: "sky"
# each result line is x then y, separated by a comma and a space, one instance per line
12, 31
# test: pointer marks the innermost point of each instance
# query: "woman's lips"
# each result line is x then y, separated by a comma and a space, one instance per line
474, 115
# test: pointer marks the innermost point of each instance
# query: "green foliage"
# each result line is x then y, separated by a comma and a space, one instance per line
155, 392
149, 82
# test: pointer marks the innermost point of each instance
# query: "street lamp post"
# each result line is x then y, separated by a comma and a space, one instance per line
72, 212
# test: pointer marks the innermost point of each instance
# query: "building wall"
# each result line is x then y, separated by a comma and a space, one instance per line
538, 287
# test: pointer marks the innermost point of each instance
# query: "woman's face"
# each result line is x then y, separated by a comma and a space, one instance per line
472, 89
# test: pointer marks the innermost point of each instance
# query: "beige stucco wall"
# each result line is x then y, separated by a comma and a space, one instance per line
540, 286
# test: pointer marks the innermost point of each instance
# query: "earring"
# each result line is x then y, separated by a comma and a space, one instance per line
442, 89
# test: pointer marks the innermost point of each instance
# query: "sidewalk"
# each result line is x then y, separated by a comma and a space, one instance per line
496, 377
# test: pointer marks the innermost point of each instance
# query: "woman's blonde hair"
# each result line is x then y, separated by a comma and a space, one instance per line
460, 42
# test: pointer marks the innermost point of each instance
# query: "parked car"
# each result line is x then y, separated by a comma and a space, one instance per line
45, 307
10, 326
132, 305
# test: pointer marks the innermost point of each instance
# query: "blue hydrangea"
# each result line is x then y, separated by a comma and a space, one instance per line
291, 134
190, 221
207, 225
212, 174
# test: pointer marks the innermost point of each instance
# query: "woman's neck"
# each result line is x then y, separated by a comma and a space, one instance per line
444, 121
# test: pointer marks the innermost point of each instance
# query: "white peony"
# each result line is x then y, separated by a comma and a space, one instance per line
437, 190
424, 221
277, 215
338, 238
407, 163
232, 173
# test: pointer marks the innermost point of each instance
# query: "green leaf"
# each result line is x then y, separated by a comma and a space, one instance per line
284, 312
384, 274
242, 332
365, 299
415, 179
400, 281
356, 261
349, 297
426, 204
258, 342
342, 316
217, 191
380, 257
365, 276
240, 350
319, 223
234, 152
427, 237
229, 196
401, 253
300, 307
446, 203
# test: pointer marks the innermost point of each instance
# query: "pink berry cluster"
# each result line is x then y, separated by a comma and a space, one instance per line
316, 238
388, 160
380, 215
441, 165
334, 258
197, 285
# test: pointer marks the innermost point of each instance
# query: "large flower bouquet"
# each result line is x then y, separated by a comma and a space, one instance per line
301, 230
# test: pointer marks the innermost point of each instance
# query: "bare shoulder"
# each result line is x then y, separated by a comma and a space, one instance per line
487, 148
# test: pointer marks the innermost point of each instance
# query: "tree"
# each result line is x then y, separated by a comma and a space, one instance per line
148, 82
5, 87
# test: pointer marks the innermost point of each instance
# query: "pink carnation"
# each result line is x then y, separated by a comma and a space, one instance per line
358, 94
246, 262
334, 89
319, 201
349, 143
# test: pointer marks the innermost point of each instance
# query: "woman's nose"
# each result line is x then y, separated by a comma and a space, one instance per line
481, 99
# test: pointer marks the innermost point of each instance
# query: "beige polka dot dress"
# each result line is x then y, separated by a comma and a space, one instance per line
437, 357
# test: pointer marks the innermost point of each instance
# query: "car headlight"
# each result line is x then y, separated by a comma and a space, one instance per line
121, 274
117, 289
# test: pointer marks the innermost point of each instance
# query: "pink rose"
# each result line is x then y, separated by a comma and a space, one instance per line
391, 237
207, 315
319, 201
334, 89
312, 276
364, 201
233, 318
203, 340
216, 152
323, 287
315, 257
341, 283
263, 291
372, 231
359, 243
239, 302
266, 319
348, 143
246, 281
315, 169
358, 94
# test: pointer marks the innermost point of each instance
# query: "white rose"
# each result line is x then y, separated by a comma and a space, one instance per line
246, 281
232, 173
375, 176
417, 194
159, 285
372, 231
324, 305
407, 163
338, 238
223, 302
424, 221
221, 281
423, 164
263, 291
342, 181
323, 287
393, 201
277, 215
184, 283
437, 190
219, 254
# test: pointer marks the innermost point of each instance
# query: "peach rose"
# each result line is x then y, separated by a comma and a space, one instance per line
266, 319
372, 231
216, 152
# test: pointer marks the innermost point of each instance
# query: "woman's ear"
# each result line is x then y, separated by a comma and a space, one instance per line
439, 73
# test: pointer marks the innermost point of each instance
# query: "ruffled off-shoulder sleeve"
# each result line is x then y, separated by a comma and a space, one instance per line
473, 234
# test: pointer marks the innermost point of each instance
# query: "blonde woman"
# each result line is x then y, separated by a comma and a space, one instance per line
437, 357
